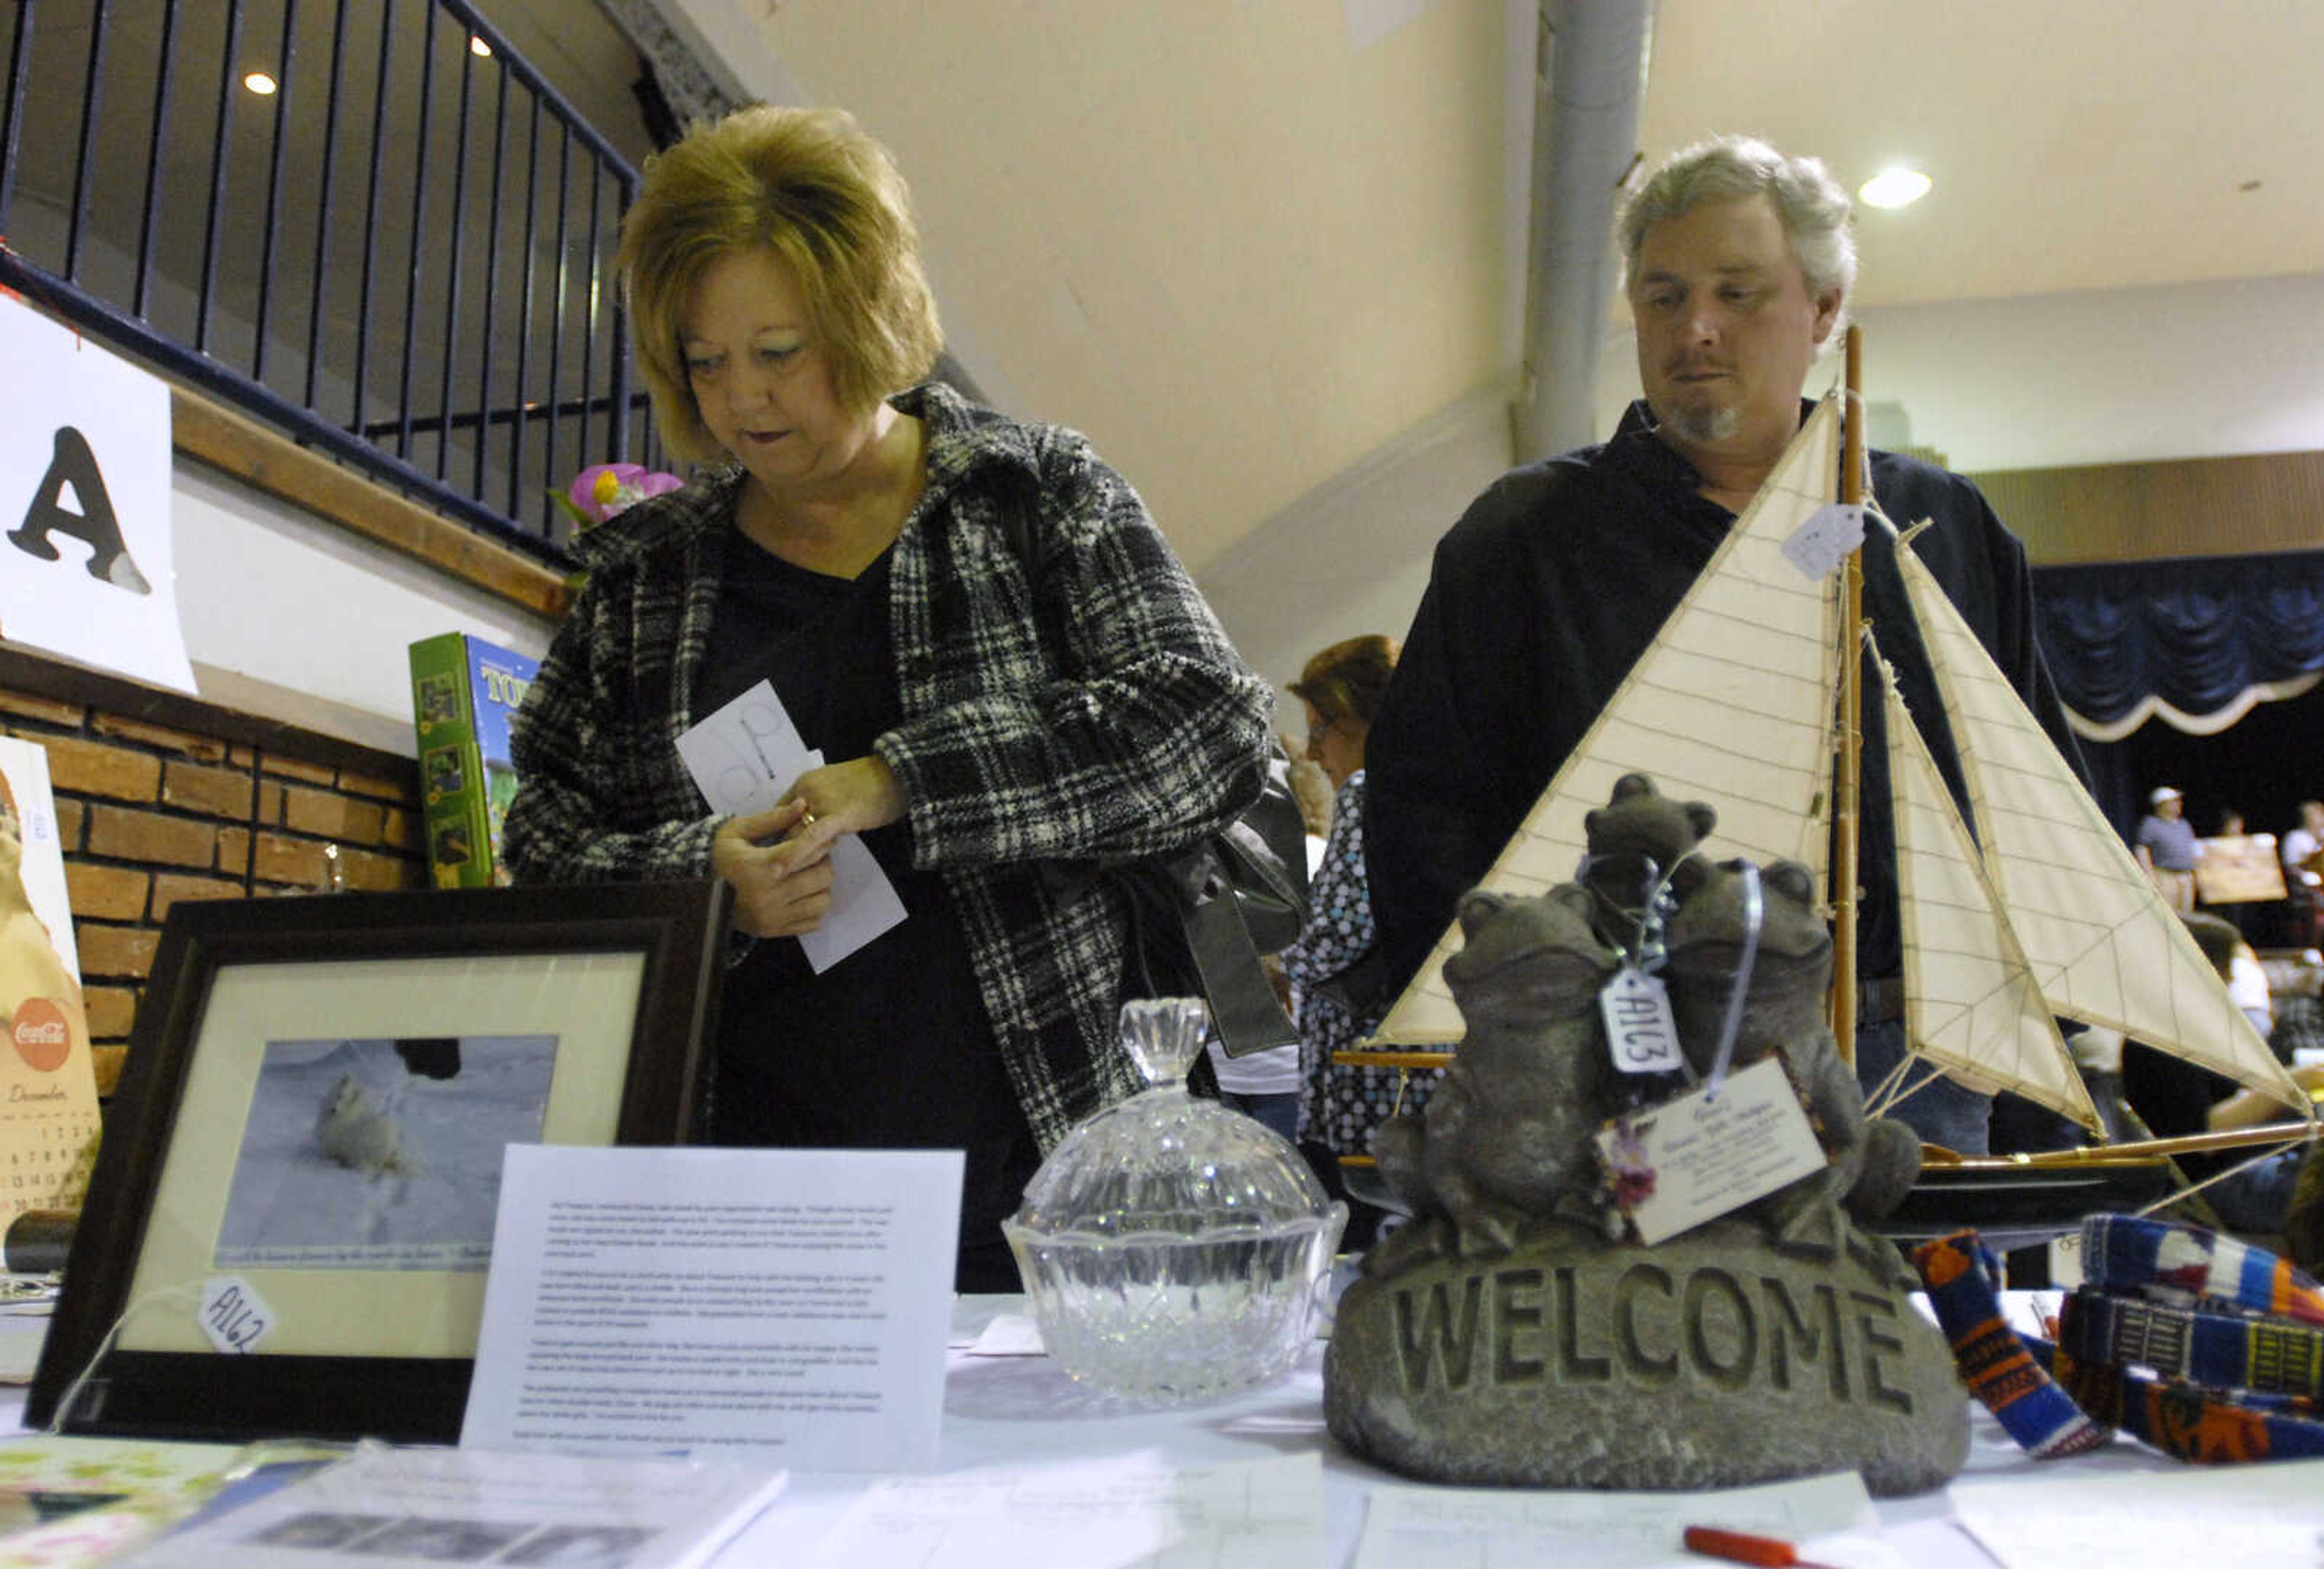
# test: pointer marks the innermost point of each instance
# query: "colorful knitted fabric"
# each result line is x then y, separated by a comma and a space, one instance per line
2218, 1351
2180, 1264
1962, 1280
2186, 1422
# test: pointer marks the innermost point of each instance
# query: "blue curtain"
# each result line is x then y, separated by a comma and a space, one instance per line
2195, 632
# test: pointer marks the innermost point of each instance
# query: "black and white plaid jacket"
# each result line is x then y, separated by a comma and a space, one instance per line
1080, 704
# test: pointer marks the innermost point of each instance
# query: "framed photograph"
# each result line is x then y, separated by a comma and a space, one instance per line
291, 1214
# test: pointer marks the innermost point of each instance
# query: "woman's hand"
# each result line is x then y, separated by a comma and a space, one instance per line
783, 888
779, 860
843, 798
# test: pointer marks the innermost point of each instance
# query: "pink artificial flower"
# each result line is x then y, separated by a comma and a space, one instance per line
603, 490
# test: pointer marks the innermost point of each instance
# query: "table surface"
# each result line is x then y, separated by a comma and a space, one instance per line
1021, 1412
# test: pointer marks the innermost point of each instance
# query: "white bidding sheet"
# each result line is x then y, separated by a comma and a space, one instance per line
744, 759
410, 1509
1137, 1512
782, 1306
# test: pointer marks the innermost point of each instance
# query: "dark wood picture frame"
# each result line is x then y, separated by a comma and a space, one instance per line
669, 938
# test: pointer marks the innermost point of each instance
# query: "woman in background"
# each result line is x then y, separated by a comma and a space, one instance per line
2172, 1097
972, 618
1336, 992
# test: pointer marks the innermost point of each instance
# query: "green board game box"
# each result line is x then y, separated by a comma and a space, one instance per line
464, 693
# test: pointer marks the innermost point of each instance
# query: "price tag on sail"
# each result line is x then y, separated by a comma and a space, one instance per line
1818, 546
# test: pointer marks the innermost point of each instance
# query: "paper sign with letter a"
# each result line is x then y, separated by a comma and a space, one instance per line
86, 569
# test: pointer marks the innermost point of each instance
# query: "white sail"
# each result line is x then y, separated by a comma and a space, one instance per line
2104, 947
1730, 705
1972, 1005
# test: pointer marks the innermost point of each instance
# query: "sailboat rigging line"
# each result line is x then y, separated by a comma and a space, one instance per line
2192, 1189
2140, 1151
1649, 917
1899, 1097
1877, 1102
1754, 913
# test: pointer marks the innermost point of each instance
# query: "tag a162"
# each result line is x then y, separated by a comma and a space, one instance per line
233, 1314
1693, 1158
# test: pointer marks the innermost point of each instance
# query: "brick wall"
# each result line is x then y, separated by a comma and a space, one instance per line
162, 797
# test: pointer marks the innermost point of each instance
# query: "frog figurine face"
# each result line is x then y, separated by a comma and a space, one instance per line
1791, 969
1636, 840
1505, 1140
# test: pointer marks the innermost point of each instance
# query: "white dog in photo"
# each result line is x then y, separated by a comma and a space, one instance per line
360, 1133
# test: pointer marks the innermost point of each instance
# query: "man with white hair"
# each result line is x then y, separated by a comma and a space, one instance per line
1738, 266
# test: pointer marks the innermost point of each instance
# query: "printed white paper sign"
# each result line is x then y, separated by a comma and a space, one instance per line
789, 1305
86, 564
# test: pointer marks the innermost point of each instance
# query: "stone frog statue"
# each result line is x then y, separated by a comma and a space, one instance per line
1506, 1137
1636, 840
1873, 1161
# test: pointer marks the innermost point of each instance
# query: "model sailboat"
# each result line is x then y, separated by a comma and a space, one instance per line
2041, 911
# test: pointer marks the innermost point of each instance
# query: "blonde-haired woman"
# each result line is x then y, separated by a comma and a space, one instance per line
971, 617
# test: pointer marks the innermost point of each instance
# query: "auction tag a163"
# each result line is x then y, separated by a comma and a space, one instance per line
1640, 1032
1693, 1158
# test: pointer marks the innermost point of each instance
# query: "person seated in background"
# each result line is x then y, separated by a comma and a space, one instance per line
2296, 989
2166, 845
1737, 264
2303, 875
2302, 845
2173, 1098
994, 708
1338, 986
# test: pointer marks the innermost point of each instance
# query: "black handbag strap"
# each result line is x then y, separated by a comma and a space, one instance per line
1219, 899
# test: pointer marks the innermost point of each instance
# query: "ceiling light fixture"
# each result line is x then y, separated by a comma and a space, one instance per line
1898, 187
479, 48
259, 82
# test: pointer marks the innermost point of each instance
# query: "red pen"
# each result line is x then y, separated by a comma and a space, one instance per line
1742, 1547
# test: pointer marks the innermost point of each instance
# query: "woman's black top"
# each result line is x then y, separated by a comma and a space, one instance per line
891, 1047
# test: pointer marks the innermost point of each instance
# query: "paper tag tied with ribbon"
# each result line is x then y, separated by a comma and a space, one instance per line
1697, 1157
1818, 546
1640, 1034
233, 1314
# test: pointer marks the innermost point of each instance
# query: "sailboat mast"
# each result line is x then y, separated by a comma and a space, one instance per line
1846, 779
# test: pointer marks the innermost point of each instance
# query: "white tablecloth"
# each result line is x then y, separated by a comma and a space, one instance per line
1019, 1412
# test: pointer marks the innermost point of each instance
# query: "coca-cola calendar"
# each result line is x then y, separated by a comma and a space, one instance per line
48, 1087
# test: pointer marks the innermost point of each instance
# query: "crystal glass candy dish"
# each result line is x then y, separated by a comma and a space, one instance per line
1174, 1251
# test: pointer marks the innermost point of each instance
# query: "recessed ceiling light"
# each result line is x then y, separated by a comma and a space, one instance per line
1898, 187
259, 82
479, 48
